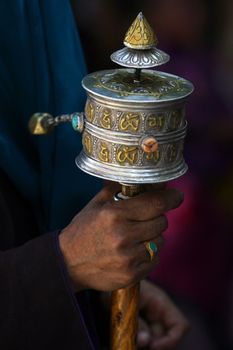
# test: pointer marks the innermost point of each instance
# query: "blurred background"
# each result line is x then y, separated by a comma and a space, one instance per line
196, 266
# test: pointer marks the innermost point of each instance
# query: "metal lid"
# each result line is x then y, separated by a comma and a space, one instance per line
138, 85
124, 86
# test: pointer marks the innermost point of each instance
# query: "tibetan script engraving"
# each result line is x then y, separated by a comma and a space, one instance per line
104, 153
130, 121
127, 154
106, 121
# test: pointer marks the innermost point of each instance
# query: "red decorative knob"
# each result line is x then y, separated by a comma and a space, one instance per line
149, 144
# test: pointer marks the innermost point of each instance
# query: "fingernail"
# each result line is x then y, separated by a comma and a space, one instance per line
143, 338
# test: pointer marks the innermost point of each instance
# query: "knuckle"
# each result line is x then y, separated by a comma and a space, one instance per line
164, 222
159, 202
117, 240
175, 198
103, 213
160, 241
110, 214
159, 225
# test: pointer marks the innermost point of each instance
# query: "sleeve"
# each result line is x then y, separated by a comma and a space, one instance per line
38, 307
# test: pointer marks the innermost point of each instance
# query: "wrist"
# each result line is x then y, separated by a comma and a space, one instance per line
67, 253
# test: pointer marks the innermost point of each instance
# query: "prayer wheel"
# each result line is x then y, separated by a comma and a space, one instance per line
133, 131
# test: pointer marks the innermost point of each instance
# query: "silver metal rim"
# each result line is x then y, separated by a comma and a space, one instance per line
131, 139
106, 95
130, 175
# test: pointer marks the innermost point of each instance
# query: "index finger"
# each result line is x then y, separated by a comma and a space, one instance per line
149, 205
169, 340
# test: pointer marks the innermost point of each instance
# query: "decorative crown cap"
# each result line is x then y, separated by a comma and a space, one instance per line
140, 35
140, 49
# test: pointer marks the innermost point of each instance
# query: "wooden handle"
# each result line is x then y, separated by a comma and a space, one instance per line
125, 305
124, 318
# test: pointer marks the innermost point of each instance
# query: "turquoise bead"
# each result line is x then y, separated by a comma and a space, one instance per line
153, 247
75, 122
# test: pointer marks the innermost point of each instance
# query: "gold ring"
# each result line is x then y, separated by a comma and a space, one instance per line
152, 249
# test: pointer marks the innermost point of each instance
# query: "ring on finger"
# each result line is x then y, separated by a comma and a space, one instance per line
152, 249
119, 196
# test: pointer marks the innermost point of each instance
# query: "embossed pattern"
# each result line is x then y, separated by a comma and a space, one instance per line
140, 59
140, 121
132, 155
123, 83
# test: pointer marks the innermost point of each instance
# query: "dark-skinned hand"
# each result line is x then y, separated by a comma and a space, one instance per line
103, 245
161, 325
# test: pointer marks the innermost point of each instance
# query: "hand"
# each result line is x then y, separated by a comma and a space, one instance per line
103, 245
163, 325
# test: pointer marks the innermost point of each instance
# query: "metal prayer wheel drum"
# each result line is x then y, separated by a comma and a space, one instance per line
134, 129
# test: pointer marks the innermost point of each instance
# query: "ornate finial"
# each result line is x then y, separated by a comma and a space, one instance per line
40, 124
140, 35
140, 49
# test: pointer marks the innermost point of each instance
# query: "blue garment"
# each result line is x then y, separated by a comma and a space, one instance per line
41, 67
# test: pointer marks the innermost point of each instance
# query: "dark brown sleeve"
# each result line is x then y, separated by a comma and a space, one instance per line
38, 309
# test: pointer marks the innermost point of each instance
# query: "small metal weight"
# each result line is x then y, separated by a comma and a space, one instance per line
133, 131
